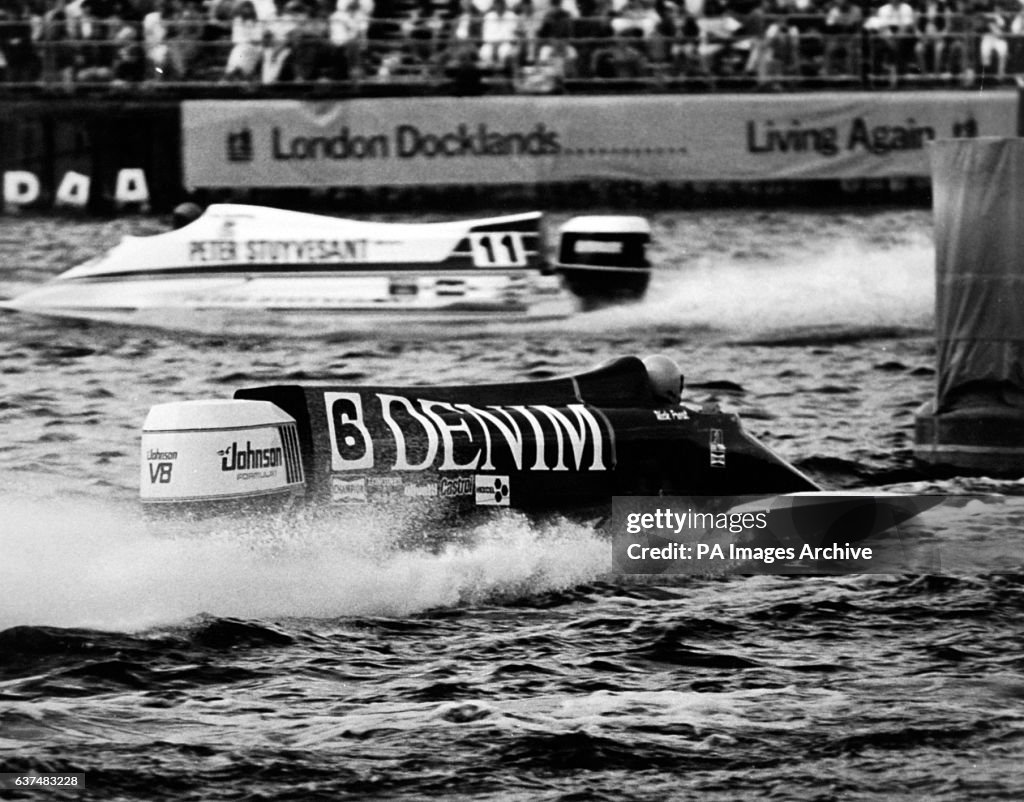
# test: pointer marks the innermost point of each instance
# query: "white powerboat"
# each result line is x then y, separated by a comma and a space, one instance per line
241, 262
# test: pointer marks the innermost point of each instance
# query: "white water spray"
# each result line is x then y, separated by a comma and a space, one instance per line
89, 563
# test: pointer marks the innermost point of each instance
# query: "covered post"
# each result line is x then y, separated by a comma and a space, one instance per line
976, 419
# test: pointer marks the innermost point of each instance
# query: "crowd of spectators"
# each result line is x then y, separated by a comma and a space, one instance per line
529, 45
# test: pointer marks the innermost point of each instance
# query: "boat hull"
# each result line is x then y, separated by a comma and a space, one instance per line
349, 301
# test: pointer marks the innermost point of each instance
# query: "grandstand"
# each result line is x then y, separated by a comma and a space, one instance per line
304, 48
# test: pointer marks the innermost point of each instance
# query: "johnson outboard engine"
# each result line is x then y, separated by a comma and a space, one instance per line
604, 258
220, 454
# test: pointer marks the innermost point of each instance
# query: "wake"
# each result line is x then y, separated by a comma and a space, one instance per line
853, 288
92, 563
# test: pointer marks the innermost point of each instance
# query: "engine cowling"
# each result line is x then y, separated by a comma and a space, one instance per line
218, 451
604, 258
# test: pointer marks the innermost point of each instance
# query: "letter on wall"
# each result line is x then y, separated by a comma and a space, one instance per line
20, 188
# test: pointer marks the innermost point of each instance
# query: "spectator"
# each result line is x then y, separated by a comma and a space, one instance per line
462, 70
993, 47
461, 59
843, 24
347, 28
18, 59
289, 17
100, 22
893, 34
557, 60
219, 18
530, 20
423, 30
282, 45
808, 22
276, 61
659, 43
467, 26
172, 38
623, 60
959, 53
157, 27
221, 12
266, 10
246, 40
589, 32
717, 43
216, 36
308, 41
770, 36
684, 53
130, 59
557, 23
186, 45
636, 15
500, 34
1017, 22
56, 44
931, 37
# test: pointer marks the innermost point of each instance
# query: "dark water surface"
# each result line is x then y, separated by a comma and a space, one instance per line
316, 660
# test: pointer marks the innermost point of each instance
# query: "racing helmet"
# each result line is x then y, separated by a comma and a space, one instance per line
665, 377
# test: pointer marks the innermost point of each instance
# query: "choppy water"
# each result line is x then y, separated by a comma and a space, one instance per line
316, 661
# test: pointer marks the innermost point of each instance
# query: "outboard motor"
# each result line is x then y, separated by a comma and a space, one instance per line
604, 258
217, 451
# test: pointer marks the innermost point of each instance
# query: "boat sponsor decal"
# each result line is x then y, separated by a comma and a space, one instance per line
716, 448
344, 490
443, 487
498, 249
671, 414
387, 432
450, 487
249, 463
450, 288
267, 251
598, 246
403, 288
213, 250
160, 472
161, 465
420, 490
384, 484
236, 458
492, 491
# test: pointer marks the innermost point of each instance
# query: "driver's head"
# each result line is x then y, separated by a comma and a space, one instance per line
185, 213
665, 377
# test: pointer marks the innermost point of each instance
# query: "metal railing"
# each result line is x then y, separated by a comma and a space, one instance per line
190, 57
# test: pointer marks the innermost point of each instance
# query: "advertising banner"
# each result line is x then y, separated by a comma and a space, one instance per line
534, 140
